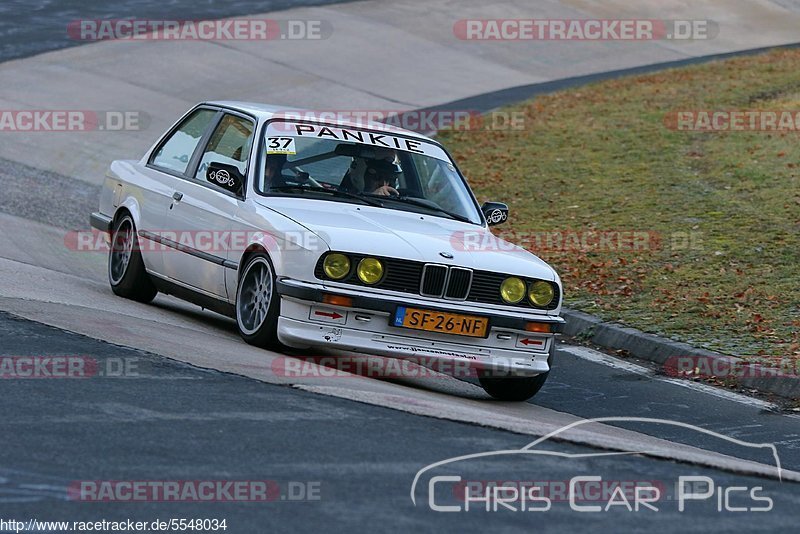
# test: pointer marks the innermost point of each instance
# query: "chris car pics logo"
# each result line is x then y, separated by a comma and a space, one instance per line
445, 489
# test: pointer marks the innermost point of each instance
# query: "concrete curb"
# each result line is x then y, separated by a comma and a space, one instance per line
681, 359
486, 102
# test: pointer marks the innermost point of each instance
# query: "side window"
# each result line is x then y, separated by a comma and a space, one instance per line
437, 179
176, 152
229, 144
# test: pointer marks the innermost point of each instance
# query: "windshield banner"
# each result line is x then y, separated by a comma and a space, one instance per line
279, 129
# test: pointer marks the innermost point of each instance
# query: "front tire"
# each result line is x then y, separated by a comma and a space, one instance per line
515, 389
126, 272
258, 303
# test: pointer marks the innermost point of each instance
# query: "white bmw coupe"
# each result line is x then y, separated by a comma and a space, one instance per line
327, 233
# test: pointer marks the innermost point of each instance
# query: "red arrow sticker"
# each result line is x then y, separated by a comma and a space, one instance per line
328, 315
536, 342
332, 315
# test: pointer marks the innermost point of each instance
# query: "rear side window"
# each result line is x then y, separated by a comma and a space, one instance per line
175, 153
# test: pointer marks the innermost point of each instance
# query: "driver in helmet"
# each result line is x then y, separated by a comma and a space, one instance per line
380, 177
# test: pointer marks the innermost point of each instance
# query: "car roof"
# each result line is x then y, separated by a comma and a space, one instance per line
266, 111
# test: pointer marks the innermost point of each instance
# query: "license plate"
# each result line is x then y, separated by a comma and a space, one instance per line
443, 322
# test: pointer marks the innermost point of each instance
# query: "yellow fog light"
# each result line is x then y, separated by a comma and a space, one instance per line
370, 271
512, 290
541, 293
336, 266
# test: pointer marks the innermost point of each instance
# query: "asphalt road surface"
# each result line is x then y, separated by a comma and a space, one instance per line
337, 465
28, 28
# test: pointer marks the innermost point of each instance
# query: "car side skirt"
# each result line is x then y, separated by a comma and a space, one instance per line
194, 296
101, 222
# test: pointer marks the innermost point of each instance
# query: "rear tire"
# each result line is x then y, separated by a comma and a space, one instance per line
258, 303
126, 272
515, 389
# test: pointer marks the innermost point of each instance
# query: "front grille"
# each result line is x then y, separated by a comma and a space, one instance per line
458, 284
486, 287
400, 276
433, 280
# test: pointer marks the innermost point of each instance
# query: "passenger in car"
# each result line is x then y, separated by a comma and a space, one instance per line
273, 170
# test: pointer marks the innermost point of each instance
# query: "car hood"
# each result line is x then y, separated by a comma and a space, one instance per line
362, 229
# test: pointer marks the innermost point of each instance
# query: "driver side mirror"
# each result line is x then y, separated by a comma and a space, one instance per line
495, 212
225, 176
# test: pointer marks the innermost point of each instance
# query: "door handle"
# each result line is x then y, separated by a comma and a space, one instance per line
177, 196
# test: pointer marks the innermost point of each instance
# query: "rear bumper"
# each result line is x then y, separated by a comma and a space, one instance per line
366, 328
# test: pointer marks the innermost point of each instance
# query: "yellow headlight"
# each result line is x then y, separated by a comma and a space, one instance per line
336, 266
541, 293
512, 290
370, 271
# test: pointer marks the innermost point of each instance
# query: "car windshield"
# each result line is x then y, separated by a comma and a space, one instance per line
366, 167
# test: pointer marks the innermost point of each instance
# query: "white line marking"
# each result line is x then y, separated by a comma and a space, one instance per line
585, 353
592, 355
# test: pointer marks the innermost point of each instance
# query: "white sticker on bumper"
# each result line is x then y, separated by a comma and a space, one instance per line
531, 343
327, 315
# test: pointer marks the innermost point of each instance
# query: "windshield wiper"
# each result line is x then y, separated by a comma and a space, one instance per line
335, 192
429, 204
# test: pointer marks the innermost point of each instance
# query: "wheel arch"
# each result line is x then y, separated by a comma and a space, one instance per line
252, 249
131, 206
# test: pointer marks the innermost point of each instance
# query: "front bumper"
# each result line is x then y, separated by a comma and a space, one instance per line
365, 328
